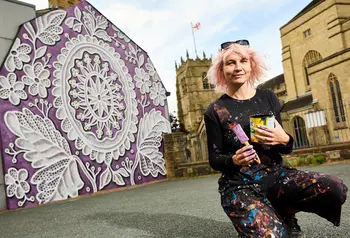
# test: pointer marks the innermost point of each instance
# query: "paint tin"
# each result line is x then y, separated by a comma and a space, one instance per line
255, 120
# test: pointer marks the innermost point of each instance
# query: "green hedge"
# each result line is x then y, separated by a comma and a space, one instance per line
304, 160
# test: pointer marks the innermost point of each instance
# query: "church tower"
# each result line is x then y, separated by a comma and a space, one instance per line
62, 3
193, 91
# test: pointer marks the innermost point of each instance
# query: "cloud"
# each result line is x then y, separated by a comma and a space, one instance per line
141, 25
233, 28
163, 30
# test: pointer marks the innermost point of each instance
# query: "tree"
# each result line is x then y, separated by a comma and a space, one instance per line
174, 122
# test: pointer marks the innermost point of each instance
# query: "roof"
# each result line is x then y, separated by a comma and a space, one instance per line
299, 102
306, 9
43, 11
22, 3
271, 83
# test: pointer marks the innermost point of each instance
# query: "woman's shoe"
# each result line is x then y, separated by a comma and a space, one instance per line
293, 227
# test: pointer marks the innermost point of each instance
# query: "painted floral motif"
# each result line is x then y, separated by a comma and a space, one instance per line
97, 94
37, 78
152, 71
18, 55
49, 27
152, 125
94, 24
16, 183
142, 79
57, 176
11, 89
84, 119
79, 109
158, 94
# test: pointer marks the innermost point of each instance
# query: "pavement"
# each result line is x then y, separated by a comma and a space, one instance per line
168, 209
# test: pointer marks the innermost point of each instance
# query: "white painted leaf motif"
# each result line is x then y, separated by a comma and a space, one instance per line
40, 52
58, 181
149, 138
105, 178
103, 35
141, 61
58, 176
70, 21
49, 27
77, 13
118, 176
132, 49
89, 22
77, 27
28, 26
123, 172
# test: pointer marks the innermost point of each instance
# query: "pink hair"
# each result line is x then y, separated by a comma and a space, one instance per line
216, 75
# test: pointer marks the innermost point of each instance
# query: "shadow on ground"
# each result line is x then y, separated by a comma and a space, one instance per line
167, 224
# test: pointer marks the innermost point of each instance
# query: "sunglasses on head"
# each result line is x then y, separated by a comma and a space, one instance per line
240, 42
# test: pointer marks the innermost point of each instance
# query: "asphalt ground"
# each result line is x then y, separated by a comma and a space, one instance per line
177, 208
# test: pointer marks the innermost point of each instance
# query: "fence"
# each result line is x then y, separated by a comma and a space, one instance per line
321, 127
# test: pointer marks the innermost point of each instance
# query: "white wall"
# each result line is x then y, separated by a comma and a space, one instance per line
12, 14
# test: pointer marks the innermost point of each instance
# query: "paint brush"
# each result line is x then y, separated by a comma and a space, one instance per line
242, 137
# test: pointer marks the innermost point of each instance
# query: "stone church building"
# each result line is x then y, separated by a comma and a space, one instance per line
194, 93
314, 88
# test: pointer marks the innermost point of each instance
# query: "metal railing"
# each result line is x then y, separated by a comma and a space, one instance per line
321, 127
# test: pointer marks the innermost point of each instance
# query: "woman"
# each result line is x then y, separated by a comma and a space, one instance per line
260, 199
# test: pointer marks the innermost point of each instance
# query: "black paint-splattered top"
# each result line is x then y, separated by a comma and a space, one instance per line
223, 143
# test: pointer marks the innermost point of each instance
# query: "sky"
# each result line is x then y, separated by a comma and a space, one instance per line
163, 28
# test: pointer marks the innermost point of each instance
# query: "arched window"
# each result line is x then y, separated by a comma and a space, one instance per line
311, 57
188, 155
336, 97
301, 139
205, 81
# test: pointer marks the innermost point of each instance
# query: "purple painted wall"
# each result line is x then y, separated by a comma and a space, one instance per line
82, 109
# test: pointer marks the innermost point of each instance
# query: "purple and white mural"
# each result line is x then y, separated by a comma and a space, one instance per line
82, 109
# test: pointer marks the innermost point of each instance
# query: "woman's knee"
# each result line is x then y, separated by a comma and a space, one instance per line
252, 215
257, 221
333, 187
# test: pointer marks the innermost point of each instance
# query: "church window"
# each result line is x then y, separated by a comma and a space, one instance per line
307, 33
336, 97
306, 76
311, 57
205, 81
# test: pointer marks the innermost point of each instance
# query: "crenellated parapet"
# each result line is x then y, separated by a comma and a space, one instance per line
190, 62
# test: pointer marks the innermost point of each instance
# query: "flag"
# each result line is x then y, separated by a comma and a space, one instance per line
196, 26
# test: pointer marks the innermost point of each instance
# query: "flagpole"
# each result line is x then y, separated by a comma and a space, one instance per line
194, 41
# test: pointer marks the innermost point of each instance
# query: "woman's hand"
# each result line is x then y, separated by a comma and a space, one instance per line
272, 136
244, 156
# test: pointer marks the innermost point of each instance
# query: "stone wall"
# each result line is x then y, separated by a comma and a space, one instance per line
178, 162
323, 38
319, 39
174, 152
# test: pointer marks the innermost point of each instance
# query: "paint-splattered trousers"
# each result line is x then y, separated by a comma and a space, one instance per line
258, 210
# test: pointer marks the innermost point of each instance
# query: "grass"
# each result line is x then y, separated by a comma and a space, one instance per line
307, 160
